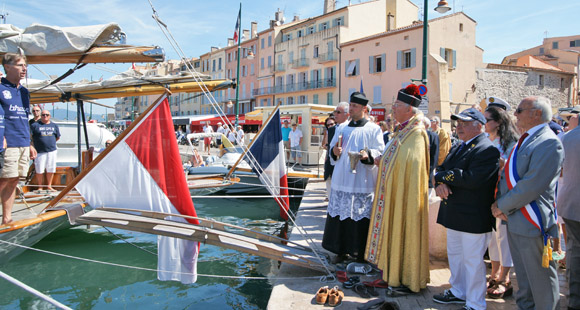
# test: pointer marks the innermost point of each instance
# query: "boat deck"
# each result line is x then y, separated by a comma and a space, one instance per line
294, 289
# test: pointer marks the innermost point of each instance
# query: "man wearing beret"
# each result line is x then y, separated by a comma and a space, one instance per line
398, 241
352, 188
466, 184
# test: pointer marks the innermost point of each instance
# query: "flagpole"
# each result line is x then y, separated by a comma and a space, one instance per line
253, 140
103, 154
238, 66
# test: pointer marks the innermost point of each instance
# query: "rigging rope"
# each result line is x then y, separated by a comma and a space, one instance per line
152, 269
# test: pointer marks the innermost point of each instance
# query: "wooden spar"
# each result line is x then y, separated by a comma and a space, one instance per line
252, 142
103, 54
208, 232
107, 150
130, 91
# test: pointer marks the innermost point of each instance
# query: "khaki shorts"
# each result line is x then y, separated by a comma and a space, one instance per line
16, 162
287, 145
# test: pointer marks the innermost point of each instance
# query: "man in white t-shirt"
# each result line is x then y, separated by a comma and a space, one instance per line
220, 129
295, 137
240, 134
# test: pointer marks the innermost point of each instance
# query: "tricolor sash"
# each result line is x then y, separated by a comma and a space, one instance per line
531, 211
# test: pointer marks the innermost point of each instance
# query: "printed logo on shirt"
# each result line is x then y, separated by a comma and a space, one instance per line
14, 107
7, 94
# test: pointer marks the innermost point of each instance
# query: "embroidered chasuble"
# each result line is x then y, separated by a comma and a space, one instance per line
398, 239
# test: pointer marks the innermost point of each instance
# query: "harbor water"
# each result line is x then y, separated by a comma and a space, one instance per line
91, 285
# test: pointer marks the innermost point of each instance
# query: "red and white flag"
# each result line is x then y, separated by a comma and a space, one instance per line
237, 30
144, 171
268, 152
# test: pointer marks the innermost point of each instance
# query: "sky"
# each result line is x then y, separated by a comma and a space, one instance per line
503, 26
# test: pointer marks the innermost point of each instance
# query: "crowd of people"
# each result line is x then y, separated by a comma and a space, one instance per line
496, 176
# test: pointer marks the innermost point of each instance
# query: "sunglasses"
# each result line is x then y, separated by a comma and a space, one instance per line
520, 110
44, 114
35, 110
107, 144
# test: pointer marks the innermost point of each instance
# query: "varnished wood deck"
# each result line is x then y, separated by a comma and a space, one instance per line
293, 291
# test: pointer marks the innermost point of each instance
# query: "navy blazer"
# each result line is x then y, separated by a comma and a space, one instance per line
472, 177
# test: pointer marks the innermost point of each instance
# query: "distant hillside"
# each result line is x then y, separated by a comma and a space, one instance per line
61, 114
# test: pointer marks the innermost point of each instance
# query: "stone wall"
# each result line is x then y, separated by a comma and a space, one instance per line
513, 86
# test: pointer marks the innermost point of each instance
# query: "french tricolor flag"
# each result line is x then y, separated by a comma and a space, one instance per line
268, 151
143, 171
238, 21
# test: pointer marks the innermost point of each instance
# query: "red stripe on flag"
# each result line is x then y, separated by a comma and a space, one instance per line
284, 202
154, 145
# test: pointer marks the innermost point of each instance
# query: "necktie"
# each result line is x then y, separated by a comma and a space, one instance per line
460, 148
522, 138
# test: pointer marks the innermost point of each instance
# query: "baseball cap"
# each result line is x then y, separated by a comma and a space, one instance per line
469, 115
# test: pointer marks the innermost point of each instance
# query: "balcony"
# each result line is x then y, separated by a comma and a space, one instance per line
294, 87
328, 57
300, 63
279, 67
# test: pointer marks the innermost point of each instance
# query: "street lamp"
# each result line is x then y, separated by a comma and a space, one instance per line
442, 7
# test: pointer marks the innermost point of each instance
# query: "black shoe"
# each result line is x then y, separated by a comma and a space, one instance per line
447, 298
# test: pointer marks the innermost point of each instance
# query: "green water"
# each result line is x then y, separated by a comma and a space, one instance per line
88, 285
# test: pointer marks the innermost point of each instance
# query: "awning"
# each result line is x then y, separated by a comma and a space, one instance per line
255, 115
232, 118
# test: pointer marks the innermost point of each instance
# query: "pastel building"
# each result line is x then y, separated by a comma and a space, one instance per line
390, 60
560, 52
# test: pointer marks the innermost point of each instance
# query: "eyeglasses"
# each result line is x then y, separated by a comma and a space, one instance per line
35, 110
520, 110
107, 144
337, 112
44, 114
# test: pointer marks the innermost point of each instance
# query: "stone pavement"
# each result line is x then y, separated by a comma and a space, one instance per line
295, 287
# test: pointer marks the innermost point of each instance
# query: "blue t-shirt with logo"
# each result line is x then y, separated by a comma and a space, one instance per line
44, 136
285, 133
1, 130
15, 102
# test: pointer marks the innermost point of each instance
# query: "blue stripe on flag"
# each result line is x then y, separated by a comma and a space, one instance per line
266, 147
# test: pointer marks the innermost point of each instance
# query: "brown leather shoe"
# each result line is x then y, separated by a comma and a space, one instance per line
335, 297
322, 295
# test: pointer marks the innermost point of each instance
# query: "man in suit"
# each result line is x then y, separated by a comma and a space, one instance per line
466, 184
529, 181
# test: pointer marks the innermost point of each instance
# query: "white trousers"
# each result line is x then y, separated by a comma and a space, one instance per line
465, 254
499, 247
45, 162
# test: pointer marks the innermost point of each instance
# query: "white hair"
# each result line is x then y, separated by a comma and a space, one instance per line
543, 104
426, 121
436, 119
344, 105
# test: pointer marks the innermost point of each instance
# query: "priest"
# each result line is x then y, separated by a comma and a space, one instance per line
398, 241
354, 147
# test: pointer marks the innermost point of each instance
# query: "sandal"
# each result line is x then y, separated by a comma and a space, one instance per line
491, 283
322, 295
377, 283
362, 290
373, 291
501, 290
335, 297
352, 281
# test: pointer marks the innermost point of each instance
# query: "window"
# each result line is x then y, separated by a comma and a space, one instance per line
575, 43
302, 99
315, 52
555, 45
262, 43
315, 98
310, 30
329, 99
299, 34
290, 100
377, 94
541, 80
213, 66
460, 27
562, 83
450, 57
219, 63
290, 57
377, 63
406, 59
251, 69
352, 67
541, 51
323, 26
269, 61
262, 63
269, 41
288, 37
244, 71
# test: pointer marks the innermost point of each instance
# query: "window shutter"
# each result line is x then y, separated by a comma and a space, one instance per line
442, 52
454, 59
383, 62
346, 68
357, 67
371, 65
399, 59
413, 57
